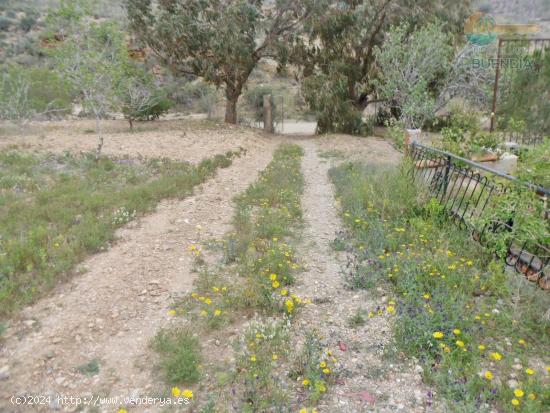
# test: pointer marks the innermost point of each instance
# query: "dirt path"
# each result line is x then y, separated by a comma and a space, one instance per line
111, 312
366, 381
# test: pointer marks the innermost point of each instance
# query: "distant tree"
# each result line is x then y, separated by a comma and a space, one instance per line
337, 52
93, 60
220, 41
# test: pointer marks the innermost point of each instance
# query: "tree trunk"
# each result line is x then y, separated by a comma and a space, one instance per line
231, 109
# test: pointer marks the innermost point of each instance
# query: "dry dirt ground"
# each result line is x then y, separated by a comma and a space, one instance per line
112, 308
182, 139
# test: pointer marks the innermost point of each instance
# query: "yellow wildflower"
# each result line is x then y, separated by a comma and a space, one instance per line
456, 332
481, 347
516, 402
284, 292
273, 277
519, 393
253, 359
460, 343
188, 394
275, 284
530, 371
323, 365
532, 396
171, 312
496, 356
305, 382
176, 391
217, 312
390, 309
521, 342
488, 375
438, 335
289, 306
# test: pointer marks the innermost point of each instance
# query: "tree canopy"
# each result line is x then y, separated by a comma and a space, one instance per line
337, 54
220, 41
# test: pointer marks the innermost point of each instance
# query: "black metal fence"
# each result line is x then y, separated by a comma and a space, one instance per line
524, 138
465, 189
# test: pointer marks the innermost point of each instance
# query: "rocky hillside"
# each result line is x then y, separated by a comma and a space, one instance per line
520, 11
22, 22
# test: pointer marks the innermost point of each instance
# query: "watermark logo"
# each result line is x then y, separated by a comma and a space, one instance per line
482, 29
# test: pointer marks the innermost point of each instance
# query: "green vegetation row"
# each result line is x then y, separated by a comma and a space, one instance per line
480, 332
255, 279
56, 209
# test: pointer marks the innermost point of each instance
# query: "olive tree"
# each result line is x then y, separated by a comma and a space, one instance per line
410, 65
220, 41
421, 72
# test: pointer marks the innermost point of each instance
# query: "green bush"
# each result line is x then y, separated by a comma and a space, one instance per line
5, 23
27, 23
327, 96
162, 105
26, 92
522, 97
140, 98
48, 90
534, 164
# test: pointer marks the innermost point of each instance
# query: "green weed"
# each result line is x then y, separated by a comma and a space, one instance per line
90, 368
180, 355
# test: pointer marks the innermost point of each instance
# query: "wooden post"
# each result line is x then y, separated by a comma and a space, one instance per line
268, 115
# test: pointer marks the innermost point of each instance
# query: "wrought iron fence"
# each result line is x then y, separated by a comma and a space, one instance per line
524, 138
465, 189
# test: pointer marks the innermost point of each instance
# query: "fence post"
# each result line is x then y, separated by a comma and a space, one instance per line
268, 115
446, 177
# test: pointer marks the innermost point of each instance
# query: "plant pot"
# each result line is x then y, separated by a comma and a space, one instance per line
485, 157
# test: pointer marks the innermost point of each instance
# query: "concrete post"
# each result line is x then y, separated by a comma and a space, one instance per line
268, 115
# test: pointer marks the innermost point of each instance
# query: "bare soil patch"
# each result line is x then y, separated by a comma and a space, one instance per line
366, 379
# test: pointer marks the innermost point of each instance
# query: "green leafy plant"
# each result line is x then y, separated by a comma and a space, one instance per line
180, 354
